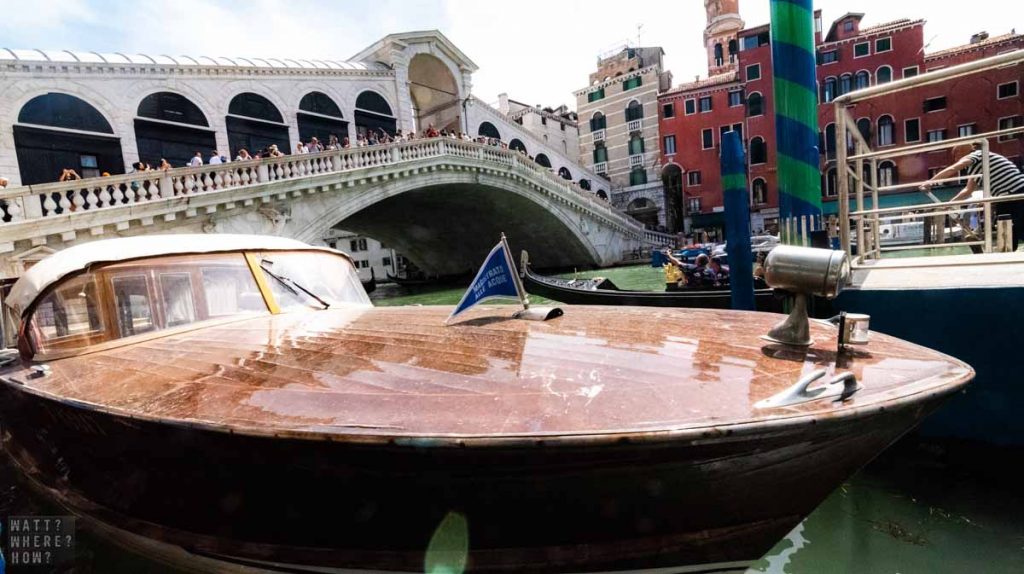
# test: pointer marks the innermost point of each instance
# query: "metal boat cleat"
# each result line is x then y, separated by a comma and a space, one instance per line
842, 386
539, 313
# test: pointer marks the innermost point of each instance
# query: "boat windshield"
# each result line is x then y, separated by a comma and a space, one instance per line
301, 280
137, 297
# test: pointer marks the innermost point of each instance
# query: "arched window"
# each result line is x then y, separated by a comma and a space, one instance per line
488, 130
255, 106
718, 55
585, 184
831, 184
845, 84
320, 117
759, 191
863, 79
171, 107
830, 141
373, 113
181, 130
733, 49
564, 173
864, 127
63, 111
755, 104
598, 122
636, 145
602, 194
255, 124
373, 102
516, 145
884, 75
887, 174
542, 160
43, 152
758, 150
886, 131
319, 103
634, 111
828, 90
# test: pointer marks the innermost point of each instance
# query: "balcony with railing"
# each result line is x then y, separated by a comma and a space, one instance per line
599, 135
635, 125
601, 168
636, 160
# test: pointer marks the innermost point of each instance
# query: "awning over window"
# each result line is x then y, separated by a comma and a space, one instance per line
893, 200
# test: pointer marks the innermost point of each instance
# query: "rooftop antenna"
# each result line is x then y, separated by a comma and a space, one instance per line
928, 43
638, 28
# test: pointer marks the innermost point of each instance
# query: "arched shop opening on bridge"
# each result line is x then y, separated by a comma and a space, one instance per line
169, 126
644, 211
435, 94
584, 184
320, 117
488, 130
254, 123
373, 113
58, 131
564, 173
516, 145
672, 183
543, 160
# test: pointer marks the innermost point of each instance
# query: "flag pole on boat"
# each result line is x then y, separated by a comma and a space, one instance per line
498, 277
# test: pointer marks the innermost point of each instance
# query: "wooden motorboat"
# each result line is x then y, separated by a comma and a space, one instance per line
239, 400
602, 291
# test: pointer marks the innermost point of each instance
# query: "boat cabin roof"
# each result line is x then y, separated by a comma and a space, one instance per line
80, 257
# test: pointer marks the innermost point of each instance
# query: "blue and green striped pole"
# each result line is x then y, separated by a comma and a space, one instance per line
737, 221
796, 109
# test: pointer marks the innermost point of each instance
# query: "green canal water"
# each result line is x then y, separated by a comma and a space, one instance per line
922, 507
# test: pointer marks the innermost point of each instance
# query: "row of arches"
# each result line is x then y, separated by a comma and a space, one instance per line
487, 129
888, 174
880, 133
833, 87
55, 130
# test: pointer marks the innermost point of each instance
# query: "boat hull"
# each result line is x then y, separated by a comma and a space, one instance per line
530, 505
979, 325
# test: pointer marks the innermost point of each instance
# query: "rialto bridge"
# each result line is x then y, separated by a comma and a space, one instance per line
439, 201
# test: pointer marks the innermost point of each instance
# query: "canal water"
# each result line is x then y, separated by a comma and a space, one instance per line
923, 507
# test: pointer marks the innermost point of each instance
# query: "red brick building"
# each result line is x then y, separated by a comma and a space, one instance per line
695, 115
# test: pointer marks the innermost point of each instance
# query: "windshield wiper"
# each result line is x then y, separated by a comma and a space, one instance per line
292, 285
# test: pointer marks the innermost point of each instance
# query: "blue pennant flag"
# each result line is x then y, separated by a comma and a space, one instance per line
496, 278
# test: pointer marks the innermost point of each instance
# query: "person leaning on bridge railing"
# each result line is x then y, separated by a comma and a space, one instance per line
1005, 179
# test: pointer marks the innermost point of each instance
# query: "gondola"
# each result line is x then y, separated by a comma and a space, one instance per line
602, 291
371, 285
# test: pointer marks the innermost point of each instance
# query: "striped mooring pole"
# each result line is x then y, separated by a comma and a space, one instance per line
737, 222
796, 111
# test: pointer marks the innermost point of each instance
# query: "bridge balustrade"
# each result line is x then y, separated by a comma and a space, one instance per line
71, 198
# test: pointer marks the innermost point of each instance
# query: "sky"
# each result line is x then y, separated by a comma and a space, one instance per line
538, 52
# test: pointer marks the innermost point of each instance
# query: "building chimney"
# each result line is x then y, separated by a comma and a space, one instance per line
979, 37
503, 103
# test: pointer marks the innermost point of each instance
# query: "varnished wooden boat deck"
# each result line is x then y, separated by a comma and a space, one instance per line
398, 374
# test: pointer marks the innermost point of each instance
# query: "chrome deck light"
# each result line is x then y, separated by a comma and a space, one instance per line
803, 271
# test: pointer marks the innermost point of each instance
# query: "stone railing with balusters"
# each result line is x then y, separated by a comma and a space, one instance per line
43, 202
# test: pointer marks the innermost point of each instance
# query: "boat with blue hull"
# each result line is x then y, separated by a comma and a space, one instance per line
961, 293
968, 306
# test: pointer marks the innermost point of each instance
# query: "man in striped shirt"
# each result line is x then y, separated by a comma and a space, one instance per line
1006, 179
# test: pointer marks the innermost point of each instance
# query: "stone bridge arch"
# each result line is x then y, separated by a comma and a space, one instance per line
445, 221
